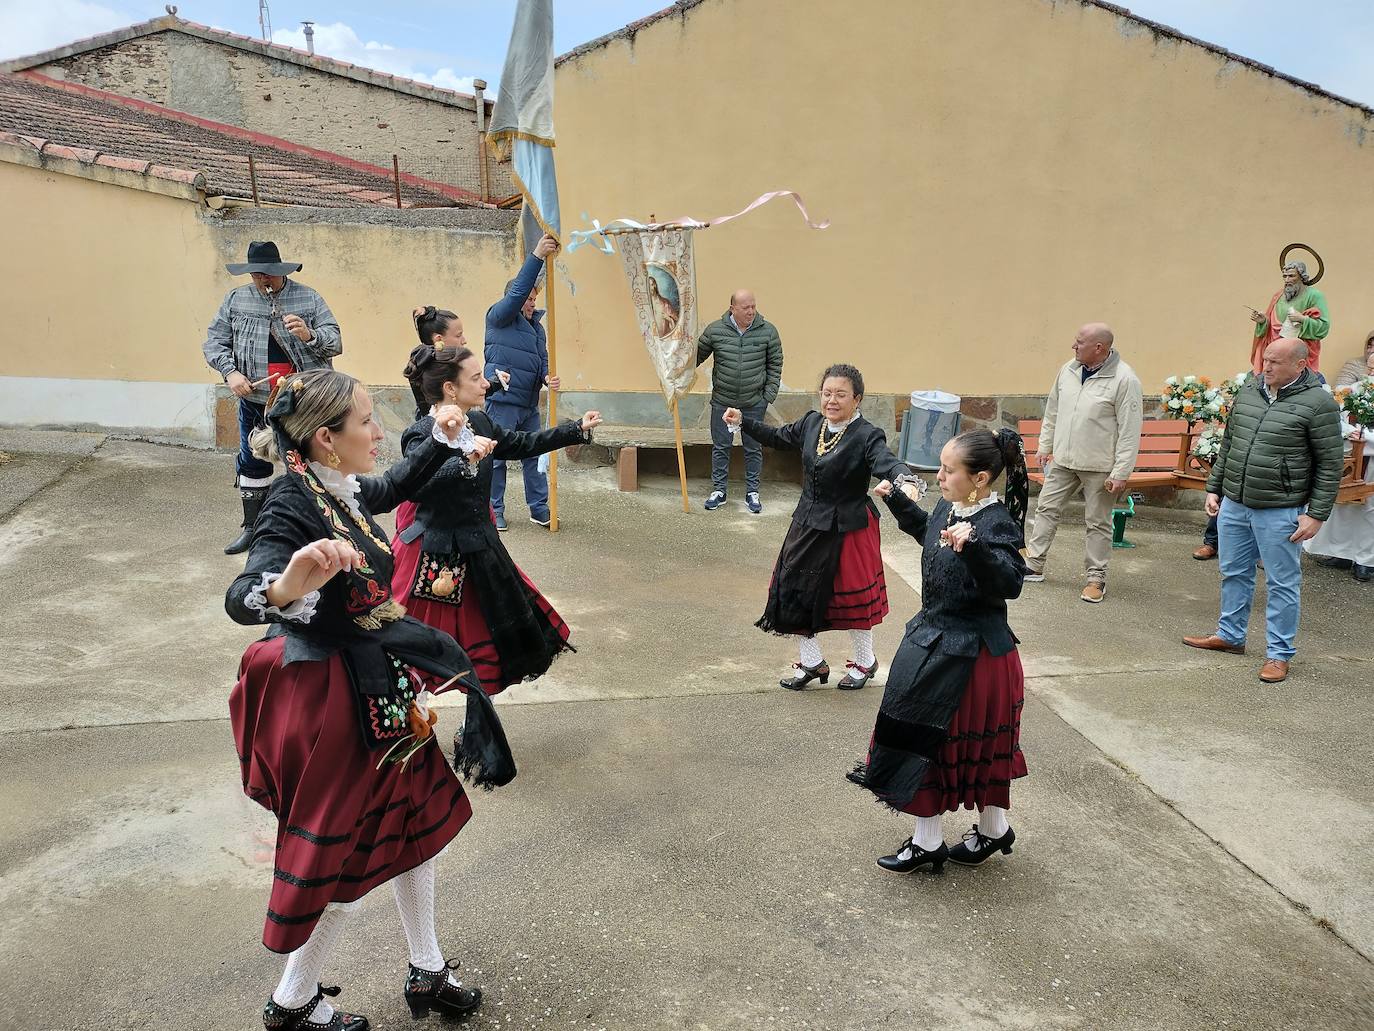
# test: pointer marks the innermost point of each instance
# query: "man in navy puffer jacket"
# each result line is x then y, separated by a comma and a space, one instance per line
515, 344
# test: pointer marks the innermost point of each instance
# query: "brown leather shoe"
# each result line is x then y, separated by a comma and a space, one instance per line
1094, 593
1205, 553
1213, 643
1274, 671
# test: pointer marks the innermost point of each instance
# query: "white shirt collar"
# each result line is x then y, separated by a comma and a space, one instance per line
344, 488
964, 511
835, 427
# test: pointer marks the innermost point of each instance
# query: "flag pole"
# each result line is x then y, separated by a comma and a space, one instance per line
553, 394
681, 462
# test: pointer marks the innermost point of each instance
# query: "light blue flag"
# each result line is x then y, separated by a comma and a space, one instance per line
523, 118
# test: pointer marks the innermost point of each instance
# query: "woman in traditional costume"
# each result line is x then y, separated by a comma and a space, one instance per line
948, 731
829, 574
452, 569
333, 733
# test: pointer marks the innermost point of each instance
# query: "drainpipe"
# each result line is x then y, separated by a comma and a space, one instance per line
309, 36
478, 85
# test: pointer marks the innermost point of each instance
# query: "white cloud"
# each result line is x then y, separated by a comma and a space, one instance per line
342, 43
29, 28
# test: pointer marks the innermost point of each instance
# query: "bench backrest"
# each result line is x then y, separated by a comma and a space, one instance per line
1159, 442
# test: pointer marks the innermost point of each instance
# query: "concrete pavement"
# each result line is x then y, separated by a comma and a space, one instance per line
680, 849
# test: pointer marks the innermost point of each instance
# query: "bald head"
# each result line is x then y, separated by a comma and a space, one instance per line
742, 308
1092, 344
1284, 361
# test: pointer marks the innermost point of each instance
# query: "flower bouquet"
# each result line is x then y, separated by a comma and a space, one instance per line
1357, 401
1194, 398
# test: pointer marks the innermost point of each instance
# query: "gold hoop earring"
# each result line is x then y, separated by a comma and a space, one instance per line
333, 459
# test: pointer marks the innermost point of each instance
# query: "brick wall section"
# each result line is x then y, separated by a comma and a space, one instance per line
331, 112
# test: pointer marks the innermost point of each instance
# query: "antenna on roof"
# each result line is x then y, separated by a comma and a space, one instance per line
265, 20
309, 36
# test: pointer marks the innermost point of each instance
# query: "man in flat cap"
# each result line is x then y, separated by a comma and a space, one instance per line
264, 330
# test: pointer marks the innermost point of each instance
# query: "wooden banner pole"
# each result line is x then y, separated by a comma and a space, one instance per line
551, 329
681, 461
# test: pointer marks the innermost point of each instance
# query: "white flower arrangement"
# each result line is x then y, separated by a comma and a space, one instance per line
1195, 399
1208, 444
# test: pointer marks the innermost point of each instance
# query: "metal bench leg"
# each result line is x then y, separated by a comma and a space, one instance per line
627, 469
1119, 517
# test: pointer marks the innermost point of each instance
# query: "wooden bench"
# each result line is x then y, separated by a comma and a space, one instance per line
1192, 471
626, 441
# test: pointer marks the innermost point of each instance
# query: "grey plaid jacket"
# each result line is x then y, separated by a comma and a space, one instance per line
237, 338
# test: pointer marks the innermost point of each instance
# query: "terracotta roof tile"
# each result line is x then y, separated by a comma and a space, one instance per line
70, 121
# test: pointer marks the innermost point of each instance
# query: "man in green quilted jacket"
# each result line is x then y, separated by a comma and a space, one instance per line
1273, 485
746, 375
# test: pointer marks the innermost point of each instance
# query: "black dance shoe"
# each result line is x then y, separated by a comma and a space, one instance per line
805, 675
858, 678
279, 1018
919, 857
977, 846
432, 990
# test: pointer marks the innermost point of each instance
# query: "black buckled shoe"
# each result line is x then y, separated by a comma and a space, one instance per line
852, 682
806, 674
432, 990
917, 858
276, 1017
977, 846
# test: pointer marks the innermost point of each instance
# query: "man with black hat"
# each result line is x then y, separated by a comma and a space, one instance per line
263, 331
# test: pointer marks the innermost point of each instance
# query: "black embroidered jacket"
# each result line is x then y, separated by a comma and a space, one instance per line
963, 594
834, 485
455, 509
290, 520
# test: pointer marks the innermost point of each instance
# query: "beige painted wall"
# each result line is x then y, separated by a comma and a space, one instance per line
111, 283
997, 172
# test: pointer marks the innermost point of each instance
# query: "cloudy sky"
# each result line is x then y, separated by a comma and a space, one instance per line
449, 42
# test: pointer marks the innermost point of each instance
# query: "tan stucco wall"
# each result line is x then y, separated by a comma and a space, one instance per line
997, 173
279, 98
104, 282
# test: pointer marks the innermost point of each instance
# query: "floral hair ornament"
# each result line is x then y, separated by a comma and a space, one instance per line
282, 401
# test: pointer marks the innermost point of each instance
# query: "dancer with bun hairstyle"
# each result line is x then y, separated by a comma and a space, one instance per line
451, 568
949, 728
330, 720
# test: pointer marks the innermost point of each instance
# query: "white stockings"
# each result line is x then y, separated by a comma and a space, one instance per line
861, 640
305, 966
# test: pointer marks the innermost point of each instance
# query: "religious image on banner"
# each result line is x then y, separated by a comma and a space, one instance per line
659, 266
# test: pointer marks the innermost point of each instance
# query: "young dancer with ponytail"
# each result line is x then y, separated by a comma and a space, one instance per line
948, 731
452, 571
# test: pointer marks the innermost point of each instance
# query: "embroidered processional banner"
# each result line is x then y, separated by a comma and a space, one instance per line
660, 267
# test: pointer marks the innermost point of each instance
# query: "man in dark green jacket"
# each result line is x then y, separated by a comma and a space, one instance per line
1273, 485
747, 373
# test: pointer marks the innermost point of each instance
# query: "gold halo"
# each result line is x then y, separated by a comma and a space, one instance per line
1321, 266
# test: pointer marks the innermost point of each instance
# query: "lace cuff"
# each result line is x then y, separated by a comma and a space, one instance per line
302, 610
466, 443
901, 479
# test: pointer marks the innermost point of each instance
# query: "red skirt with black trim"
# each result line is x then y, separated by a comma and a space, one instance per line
982, 755
463, 622
859, 601
343, 826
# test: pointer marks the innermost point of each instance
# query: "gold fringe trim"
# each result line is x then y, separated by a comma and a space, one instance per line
387, 612
534, 208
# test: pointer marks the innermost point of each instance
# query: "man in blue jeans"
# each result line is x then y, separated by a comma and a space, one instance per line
1273, 485
516, 345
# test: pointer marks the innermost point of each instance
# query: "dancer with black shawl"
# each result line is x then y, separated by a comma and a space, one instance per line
949, 728
333, 732
829, 574
451, 567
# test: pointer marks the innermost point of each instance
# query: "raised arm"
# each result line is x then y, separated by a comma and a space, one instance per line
911, 518
280, 533
404, 479
514, 444
994, 558
504, 311
779, 438
882, 463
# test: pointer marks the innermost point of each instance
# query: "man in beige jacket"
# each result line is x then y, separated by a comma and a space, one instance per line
1089, 439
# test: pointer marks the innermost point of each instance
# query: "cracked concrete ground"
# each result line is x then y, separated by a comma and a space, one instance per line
680, 849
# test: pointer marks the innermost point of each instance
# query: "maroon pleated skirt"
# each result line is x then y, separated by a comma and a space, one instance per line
343, 826
859, 601
464, 622
982, 755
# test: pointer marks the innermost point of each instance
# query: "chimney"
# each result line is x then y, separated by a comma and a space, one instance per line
309, 35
